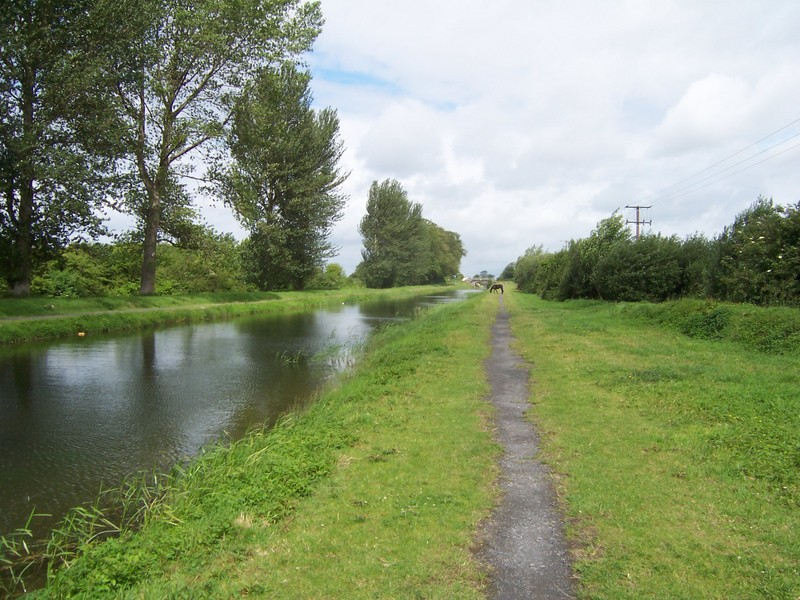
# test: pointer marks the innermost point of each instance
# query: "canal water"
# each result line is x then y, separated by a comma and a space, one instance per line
83, 413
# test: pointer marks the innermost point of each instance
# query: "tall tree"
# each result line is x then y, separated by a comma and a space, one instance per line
50, 160
441, 255
393, 236
284, 180
179, 82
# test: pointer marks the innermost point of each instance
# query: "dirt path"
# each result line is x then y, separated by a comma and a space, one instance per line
523, 540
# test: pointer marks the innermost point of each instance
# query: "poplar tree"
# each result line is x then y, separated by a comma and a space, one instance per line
178, 85
393, 237
284, 180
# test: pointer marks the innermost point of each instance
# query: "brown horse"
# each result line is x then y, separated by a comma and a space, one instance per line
497, 286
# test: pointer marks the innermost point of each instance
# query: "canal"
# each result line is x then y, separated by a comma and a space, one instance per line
80, 414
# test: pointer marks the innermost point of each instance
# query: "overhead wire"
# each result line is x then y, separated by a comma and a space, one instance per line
718, 179
670, 193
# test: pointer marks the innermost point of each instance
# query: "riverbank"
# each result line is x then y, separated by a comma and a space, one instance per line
375, 491
48, 318
675, 461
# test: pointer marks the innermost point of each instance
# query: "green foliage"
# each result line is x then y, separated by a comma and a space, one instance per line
332, 277
266, 258
441, 257
77, 272
758, 257
540, 272
508, 272
51, 164
392, 234
283, 183
527, 268
400, 246
646, 269
581, 278
696, 265
212, 264
178, 81
755, 260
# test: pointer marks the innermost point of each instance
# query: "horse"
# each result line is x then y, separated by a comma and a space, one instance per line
495, 287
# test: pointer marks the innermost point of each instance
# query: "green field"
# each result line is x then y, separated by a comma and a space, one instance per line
676, 459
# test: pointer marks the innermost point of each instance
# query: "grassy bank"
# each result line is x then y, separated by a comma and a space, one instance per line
679, 457
41, 318
374, 492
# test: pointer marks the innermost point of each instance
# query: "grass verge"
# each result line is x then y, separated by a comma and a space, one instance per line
42, 318
679, 458
374, 492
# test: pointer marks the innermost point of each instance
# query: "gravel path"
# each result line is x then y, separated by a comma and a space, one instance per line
523, 540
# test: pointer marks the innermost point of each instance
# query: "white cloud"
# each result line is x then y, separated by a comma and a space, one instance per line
517, 123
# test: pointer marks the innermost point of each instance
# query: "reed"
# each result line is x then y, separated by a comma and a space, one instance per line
26, 561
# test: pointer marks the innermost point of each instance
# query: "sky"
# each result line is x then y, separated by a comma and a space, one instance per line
520, 123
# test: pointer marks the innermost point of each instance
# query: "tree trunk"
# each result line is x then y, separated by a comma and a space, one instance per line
21, 284
148, 280
23, 269
153, 187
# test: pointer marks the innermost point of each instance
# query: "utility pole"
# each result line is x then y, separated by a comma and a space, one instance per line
638, 221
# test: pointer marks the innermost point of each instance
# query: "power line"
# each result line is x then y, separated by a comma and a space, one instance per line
666, 194
687, 188
694, 189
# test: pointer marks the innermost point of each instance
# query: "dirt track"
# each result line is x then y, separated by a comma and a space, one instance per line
523, 540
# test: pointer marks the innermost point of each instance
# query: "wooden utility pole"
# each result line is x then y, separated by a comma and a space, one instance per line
638, 221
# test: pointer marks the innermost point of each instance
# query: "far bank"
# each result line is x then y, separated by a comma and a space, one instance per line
47, 318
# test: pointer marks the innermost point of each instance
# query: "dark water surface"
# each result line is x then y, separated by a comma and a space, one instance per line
83, 413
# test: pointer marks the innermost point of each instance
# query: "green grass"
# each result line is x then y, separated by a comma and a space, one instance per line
772, 330
374, 492
677, 461
678, 458
42, 318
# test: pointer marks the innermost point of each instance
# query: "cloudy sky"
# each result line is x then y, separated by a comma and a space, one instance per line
524, 122
519, 123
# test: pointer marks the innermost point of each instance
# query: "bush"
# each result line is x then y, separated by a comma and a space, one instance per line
78, 272
332, 277
646, 269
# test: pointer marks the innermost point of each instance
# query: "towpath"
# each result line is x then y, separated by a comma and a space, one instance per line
523, 540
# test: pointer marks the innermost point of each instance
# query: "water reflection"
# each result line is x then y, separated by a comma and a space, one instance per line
80, 413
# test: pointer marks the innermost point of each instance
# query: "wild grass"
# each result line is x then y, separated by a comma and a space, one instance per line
771, 330
25, 561
678, 457
375, 491
42, 318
